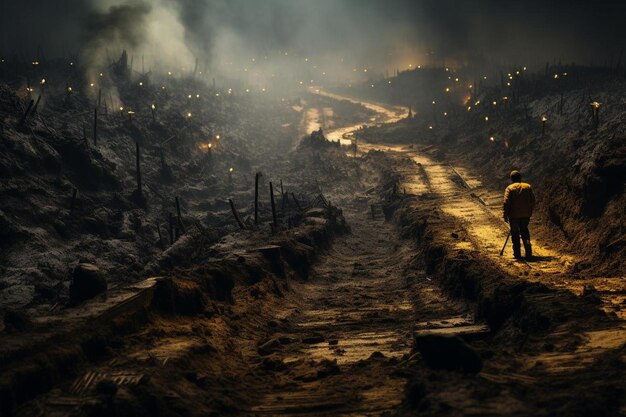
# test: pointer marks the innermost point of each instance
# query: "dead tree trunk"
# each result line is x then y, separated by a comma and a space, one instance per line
180, 219
161, 244
95, 129
171, 228
256, 198
25, 116
237, 218
274, 218
295, 200
138, 167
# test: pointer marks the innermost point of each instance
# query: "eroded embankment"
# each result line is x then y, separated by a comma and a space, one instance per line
549, 351
166, 338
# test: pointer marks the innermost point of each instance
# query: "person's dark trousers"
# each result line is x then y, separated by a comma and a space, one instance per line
519, 228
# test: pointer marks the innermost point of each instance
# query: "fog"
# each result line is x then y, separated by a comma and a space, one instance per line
312, 42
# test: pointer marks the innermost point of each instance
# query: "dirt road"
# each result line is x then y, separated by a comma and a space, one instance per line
351, 326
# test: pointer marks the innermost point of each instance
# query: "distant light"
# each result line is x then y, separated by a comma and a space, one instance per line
544, 119
492, 139
140, 83
189, 115
556, 76
486, 118
434, 102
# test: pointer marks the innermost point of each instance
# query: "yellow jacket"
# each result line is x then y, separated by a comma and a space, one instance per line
519, 201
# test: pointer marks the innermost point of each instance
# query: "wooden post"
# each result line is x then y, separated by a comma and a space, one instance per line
295, 200
237, 218
273, 205
180, 219
162, 157
138, 167
95, 127
256, 198
171, 228
36, 105
99, 97
161, 244
73, 201
25, 116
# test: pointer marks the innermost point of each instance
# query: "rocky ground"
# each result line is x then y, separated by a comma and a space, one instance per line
377, 290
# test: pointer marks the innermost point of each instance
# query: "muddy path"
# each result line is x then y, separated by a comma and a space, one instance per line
345, 339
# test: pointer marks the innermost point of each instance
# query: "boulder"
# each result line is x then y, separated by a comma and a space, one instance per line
87, 282
448, 352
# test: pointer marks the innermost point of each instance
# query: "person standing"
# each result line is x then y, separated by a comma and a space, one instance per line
518, 205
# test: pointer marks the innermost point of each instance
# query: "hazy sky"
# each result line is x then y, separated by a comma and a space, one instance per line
375, 33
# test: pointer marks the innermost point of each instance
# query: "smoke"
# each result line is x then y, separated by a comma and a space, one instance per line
258, 42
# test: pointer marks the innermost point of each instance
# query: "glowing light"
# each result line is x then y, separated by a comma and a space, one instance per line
447, 89
189, 96
169, 73
35, 62
189, 115
43, 81
230, 170
477, 103
140, 83
434, 102
430, 127
102, 75
494, 103
595, 104
492, 139
445, 113
197, 95
486, 118
485, 77
544, 119
91, 84
69, 89
469, 108
121, 108
556, 76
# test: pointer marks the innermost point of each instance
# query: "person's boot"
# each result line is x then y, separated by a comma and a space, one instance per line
528, 250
